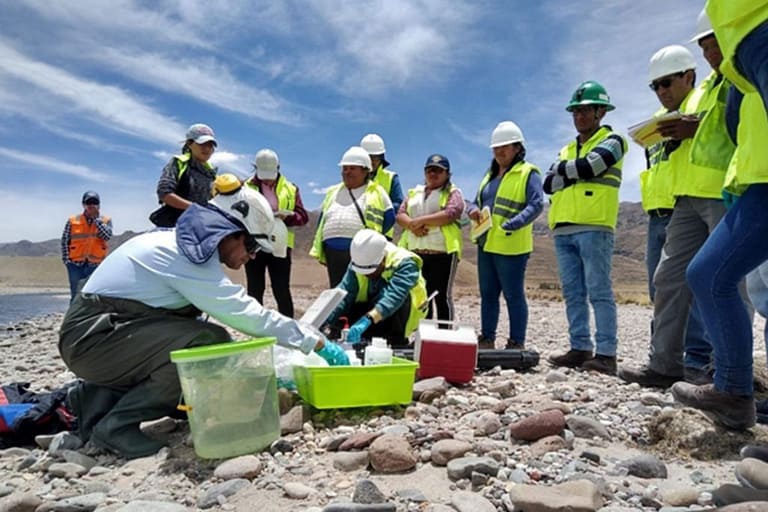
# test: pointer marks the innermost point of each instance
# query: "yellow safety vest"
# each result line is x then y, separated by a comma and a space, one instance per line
748, 165
733, 20
451, 231
418, 294
285, 191
374, 214
656, 180
697, 168
594, 202
384, 178
509, 201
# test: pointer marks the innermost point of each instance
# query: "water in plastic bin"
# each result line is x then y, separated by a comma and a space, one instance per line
233, 414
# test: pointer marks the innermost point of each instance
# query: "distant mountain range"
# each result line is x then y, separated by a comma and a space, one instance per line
629, 251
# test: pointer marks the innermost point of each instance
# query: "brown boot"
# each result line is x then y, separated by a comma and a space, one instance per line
571, 359
484, 343
732, 411
602, 364
646, 377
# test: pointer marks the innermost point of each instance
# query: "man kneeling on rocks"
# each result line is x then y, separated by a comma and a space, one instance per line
145, 301
386, 294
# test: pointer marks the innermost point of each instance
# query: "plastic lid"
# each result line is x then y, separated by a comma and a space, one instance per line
220, 349
379, 342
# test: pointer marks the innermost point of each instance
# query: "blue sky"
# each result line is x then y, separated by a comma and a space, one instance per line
98, 94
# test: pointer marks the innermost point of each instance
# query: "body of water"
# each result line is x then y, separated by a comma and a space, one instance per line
17, 307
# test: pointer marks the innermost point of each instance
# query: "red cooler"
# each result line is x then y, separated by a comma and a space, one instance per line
449, 353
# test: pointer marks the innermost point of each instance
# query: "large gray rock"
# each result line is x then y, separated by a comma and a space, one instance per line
471, 502
367, 492
350, 461
446, 450
574, 496
66, 470
645, 466
20, 502
391, 454
247, 466
464, 466
585, 427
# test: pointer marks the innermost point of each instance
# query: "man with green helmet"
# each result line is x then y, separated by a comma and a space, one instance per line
584, 184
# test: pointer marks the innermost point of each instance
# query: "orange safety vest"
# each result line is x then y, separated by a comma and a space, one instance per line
84, 242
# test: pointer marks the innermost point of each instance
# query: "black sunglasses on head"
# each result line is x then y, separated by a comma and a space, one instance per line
664, 82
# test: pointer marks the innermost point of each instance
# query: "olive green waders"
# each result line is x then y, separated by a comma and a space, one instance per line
121, 348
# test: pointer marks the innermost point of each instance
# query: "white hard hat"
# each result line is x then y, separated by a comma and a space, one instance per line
669, 60
356, 156
266, 161
373, 144
279, 239
367, 251
703, 27
252, 210
506, 132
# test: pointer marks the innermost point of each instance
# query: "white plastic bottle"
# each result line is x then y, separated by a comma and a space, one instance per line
378, 352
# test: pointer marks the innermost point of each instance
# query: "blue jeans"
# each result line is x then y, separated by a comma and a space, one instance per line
584, 261
752, 59
76, 273
498, 273
757, 288
737, 245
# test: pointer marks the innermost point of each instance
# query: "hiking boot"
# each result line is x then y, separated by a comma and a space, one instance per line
571, 359
484, 343
646, 377
89, 402
732, 411
752, 473
513, 345
728, 494
128, 441
753, 451
602, 364
698, 376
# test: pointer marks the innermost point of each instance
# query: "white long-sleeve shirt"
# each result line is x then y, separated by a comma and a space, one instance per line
150, 269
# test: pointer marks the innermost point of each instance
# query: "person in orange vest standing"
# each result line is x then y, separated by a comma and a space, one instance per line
84, 241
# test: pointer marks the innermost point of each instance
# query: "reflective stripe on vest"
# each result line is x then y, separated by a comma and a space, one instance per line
451, 231
84, 242
285, 191
418, 294
592, 202
688, 178
374, 214
509, 201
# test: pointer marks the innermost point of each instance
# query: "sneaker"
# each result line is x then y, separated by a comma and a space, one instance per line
484, 343
646, 377
698, 376
602, 364
752, 473
753, 451
571, 359
732, 411
513, 345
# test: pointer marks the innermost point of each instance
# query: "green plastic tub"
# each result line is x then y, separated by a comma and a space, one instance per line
337, 387
230, 392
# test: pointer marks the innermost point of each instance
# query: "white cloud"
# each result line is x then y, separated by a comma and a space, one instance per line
106, 105
49, 164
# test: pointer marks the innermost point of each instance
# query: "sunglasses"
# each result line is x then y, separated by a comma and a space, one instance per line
92, 203
664, 82
434, 169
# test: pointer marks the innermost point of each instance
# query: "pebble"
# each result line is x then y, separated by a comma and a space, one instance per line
645, 466
367, 492
464, 466
247, 467
297, 490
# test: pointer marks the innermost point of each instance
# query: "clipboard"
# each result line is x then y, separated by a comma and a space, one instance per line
482, 225
645, 133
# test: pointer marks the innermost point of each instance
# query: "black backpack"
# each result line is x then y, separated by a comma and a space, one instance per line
25, 414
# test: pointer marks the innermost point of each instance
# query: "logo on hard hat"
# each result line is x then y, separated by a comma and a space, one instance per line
241, 207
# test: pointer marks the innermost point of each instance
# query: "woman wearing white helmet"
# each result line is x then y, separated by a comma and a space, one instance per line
187, 178
354, 204
512, 190
285, 201
430, 220
144, 301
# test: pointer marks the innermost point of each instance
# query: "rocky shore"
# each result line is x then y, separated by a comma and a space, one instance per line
542, 440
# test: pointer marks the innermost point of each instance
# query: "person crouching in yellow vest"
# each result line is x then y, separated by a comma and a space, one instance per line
386, 294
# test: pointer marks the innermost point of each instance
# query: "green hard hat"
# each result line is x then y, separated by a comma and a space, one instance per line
590, 93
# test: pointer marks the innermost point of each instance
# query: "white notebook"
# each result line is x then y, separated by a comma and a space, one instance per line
322, 307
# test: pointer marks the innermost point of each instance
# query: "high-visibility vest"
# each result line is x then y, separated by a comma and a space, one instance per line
373, 214
451, 231
593, 202
509, 201
385, 178
656, 180
732, 21
84, 242
748, 165
182, 164
418, 295
689, 176
285, 191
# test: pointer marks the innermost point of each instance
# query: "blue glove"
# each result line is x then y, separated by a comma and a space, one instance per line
333, 354
355, 333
